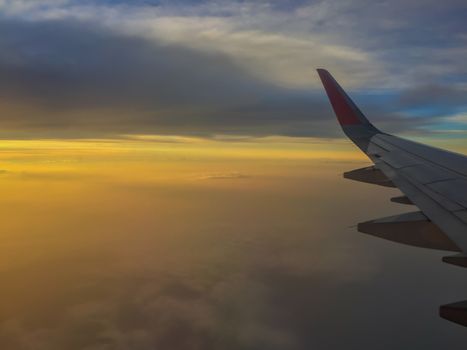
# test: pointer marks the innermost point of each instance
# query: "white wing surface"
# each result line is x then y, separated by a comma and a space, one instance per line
432, 179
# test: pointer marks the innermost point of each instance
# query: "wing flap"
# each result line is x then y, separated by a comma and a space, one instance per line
449, 160
426, 174
398, 159
461, 214
454, 189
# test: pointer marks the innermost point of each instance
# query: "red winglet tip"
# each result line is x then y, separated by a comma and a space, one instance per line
340, 102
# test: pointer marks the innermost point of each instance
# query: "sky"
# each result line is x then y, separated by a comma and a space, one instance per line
104, 68
171, 173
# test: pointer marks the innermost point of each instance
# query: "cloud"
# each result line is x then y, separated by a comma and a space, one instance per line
80, 76
251, 34
434, 95
88, 69
258, 268
224, 176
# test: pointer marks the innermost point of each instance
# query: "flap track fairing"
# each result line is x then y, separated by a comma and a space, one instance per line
402, 200
410, 228
458, 260
455, 312
369, 175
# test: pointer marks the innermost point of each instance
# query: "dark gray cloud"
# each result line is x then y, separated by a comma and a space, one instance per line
73, 78
434, 96
80, 75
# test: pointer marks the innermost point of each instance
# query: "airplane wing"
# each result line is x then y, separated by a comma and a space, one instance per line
432, 179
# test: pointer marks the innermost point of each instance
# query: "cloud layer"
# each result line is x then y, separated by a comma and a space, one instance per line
122, 263
70, 68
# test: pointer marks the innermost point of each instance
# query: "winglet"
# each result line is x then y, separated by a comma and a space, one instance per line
345, 109
353, 122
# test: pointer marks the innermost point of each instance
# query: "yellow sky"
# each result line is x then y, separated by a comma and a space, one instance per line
157, 157
170, 158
